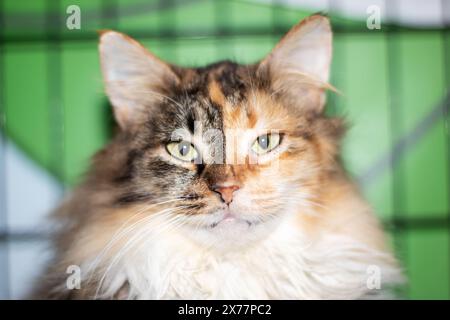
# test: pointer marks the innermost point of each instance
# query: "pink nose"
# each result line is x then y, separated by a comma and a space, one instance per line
226, 192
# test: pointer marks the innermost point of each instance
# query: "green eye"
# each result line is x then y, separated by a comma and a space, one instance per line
266, 143
182, 150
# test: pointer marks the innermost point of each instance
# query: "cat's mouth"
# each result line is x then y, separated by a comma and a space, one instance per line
229, 218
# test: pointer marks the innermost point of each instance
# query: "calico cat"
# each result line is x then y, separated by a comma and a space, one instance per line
222, 182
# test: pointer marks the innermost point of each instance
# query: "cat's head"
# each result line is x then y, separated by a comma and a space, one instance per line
230, 148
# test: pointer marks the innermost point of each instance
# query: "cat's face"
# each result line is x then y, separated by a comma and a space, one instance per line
231, 149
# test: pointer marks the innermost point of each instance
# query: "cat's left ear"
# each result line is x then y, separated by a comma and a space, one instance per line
299, 66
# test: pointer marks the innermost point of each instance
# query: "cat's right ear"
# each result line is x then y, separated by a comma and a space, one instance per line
298, 67
134, 78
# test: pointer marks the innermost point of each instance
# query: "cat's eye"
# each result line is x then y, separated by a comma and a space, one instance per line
182, 150
266, 142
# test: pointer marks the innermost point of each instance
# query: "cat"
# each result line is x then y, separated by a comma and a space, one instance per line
222, 182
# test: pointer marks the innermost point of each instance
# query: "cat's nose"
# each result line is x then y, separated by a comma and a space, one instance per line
226, 192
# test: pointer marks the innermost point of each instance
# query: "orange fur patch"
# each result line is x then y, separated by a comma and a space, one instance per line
216, 94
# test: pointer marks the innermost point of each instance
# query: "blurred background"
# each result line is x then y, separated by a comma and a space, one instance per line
394, 79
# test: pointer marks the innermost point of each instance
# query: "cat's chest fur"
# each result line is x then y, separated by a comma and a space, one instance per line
284, 266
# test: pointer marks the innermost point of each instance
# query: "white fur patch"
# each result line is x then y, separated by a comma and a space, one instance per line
283, 266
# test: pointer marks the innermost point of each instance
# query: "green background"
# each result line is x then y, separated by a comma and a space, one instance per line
391, 79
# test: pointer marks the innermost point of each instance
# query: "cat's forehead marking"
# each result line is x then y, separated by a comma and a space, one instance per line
228, 89
230, 81
251, 113
224, 81
216, 94
223, 96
